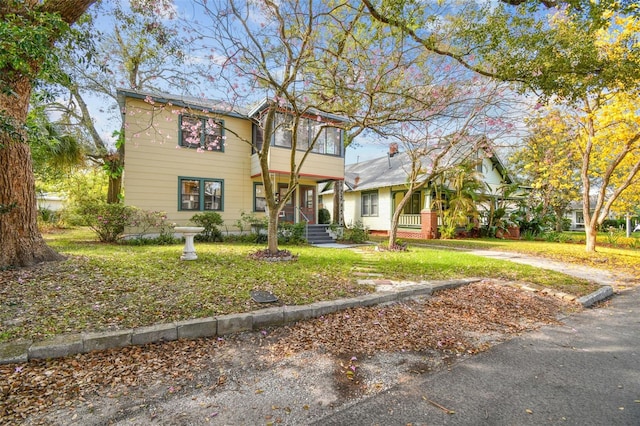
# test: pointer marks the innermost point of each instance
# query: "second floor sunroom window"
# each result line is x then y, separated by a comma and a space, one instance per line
328, 140
203, 133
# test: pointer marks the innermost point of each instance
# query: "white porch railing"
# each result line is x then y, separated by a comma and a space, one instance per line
413, 221
410, 220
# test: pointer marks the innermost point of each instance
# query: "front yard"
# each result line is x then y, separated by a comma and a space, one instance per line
102, 286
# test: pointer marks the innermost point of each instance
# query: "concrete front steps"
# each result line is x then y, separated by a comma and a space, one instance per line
319, 234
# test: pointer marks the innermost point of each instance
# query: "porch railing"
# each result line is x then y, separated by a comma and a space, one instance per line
413, 221
410, 220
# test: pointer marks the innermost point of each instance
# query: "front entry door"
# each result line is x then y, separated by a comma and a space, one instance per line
287, 214
308, 204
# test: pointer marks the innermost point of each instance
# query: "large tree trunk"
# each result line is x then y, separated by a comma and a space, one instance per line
20, 241
116, 167
114, 190
393, 232
590, 231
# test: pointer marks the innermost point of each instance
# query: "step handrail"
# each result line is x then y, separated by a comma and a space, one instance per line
306, 225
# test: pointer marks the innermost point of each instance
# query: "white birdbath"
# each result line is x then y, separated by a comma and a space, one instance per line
188, 232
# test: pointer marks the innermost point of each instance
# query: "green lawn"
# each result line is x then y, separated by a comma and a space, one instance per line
104, 286
606, 257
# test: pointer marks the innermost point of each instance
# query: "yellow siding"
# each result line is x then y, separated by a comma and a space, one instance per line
154, 161
315, 165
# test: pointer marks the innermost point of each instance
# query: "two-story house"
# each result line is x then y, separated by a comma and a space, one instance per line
186, 155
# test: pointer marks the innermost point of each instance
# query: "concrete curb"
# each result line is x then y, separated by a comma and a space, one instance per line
598, 295
65, 345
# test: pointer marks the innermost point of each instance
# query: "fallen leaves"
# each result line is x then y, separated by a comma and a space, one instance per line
458, 321
38, 385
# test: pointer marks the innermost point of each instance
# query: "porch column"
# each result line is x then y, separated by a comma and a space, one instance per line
429, 224
428, 219
338, 202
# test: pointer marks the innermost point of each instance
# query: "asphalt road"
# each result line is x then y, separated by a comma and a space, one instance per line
586, 372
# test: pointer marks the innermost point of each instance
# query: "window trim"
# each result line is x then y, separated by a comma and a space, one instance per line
320, 146
201, 197
255, 186
368, 203
203, 121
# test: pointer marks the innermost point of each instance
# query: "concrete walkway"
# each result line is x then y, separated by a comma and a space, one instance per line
600, 276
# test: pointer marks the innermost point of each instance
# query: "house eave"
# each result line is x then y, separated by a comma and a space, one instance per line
204, 105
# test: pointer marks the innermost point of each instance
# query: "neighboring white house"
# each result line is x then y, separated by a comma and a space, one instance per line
576, 214
373, 188
50, 201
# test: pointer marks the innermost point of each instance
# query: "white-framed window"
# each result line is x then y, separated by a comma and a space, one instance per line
259, 201
370, 203
328, 141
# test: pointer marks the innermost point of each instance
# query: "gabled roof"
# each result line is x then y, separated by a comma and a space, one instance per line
393, 170
214, 106
377, 173
264, 104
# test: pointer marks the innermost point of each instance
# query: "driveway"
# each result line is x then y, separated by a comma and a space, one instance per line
585, 372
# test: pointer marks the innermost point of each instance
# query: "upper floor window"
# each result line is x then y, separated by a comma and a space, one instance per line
200, 194
284, 130
203, 133
325, 140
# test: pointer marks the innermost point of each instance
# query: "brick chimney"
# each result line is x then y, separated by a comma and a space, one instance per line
393, 149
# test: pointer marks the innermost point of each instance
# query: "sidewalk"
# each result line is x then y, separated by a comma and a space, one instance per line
601, 276
583, 373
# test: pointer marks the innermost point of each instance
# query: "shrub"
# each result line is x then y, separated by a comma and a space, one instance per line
612, 223
252, 222
356, 233
614, 234
556, 237
106, 220
291, 233
152, 222
49, 219
324, 217
210, 222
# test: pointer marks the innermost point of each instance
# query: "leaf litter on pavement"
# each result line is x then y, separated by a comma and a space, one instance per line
461, 321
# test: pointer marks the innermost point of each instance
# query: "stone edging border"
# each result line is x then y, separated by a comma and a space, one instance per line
71, 344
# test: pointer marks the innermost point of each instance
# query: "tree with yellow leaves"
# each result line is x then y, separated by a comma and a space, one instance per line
604, 121
609, 143
549, 161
